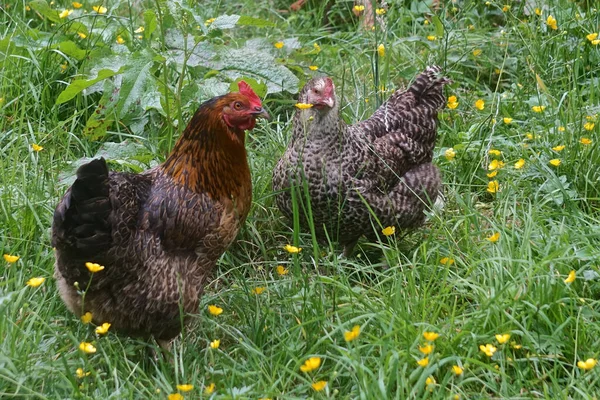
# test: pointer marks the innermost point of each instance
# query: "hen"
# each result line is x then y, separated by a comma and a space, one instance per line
159, 233
342, 176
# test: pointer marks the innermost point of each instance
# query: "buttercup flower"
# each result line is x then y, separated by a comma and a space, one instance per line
507, 120
318, 386
87, 348
538, 11
571, 277
35, 282
175, 396
588, 126
120, 40
443, 261
303, 106
587, 364
494, 238
480, 104
358, 8
492, 174
103, 329
313, 67
431, 38
81, 374
311, 364
65, 14
494, 152
503, 338
477, 52
210, 389
389, 230
10, 258
81, 35
457, 370
561, 128
555, 162
430, 380
493, 187
488, 349
585, 141
452, 102
450, 154
559, 148
185, 388
423, 362
215, 344
538, 109
281, 270
551, 22
380, 11
76, 4
352, 334
258, 290
317, 47
214, 310
426, 349
86, 318
100, 9
381, 50
209, 21
495, 164
431, 336
93, 267
592, 36
278, 45
292, 249
520, 164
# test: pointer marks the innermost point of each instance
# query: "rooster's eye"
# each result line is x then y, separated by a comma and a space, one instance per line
237, 105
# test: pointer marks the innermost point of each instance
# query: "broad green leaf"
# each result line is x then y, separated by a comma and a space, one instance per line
149, 23
224, 22
439, 27
44, 9
250, 21
77, 86
100, 120
71, 49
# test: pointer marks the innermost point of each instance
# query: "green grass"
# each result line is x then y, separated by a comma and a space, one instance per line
548, 217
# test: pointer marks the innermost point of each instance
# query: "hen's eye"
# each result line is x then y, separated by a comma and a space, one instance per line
237, 105
316, 91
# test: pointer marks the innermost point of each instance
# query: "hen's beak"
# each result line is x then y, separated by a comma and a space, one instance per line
260, 112
327, 101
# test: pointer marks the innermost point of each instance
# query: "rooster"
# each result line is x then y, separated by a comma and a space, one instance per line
375, 173
158, 234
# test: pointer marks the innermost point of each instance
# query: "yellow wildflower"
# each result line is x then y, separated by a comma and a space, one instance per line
515, 346
278, 45
430, 380
444, 261
185, 388
292, 249
561, 129
258, 290
210, 389
281, 270
381, 50
82, 35
358, 8
520, 164
35, 282
426, 349
477, 52
175, 396
431, 336
507, 120
303, 106
63, 67
313, 67
93, 267
318, 386
120, 40
493, 187
592, 36
76, 4
495, 164
81, 374
215, 344
538, 109
423, 362
215, 310
431, 38
457, 370
551, 22
494, 152
555, 162
492, 174
86, 318
139, 30
100, 9
587, 364
450, 154
505, 8
317, 47
311, 364
538, 11
388, 230
103, 329
65, 13
426, 22
380, 11
87, 347
494, 238
596, 42
571, 277
488, 349
452, 102
588, 126
10, 259
36, 147
480, 104
558, 148
585, 141
352, 334
503, 338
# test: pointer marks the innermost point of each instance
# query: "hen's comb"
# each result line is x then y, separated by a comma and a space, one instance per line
247, 91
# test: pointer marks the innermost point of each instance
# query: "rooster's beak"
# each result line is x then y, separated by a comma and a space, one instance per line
260, 112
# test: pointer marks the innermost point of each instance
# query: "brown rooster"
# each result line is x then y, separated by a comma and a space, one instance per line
158, 234
373, 174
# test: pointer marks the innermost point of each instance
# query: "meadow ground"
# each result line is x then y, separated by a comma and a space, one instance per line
506, 273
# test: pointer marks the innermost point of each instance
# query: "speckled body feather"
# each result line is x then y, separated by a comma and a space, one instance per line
159, 234
380, 166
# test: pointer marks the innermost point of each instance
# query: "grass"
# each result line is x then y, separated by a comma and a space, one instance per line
548, 217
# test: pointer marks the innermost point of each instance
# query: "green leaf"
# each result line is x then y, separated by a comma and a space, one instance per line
98, 122
79, 85
251, 21
149, 23
44, 9
71, 49
137, 80
439, 27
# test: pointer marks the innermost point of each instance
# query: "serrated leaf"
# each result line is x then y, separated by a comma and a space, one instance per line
137, 79
100, 120
439, 27
225, 22
71, 49
77, 86
44, 9
149, 23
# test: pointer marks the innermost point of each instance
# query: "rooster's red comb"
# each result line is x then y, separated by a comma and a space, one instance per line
247, 91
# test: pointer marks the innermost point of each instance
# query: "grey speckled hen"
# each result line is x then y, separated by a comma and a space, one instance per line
160, 233
380, 166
